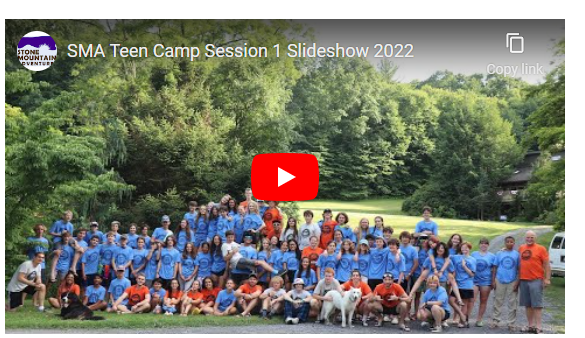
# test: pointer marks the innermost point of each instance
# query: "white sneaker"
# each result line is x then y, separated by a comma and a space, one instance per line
387, 318
295, 320
445, 324
288, 320
394, 321
424, 324
41, 308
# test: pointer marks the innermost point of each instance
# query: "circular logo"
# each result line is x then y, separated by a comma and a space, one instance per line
508, 263
482, 265
64, 255
120, 259
167, 259
330, 264
210, 298
93, 257
93, 298
390, 266
135, 298
377, 257
37, 51
526, 254
326, 229
305, 233
292, 263
107, 255
118, 290
204, 263
363, 264
268, 216
182, 241
138, 260
345, 264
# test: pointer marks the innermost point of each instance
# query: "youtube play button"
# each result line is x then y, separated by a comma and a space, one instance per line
285, 177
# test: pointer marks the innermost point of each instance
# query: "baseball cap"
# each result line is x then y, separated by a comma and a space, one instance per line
165, 218
364, 241
253, 275
388, 274
120, 269
260, 201
380, 237
299, 281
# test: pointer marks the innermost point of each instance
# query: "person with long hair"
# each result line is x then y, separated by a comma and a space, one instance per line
209, 292
483, 277
168, 265
326, 260
454, 244
203, 262
187, 267
253, 223
277, 258
378, 259
378, 228
232, 207
344, 259
138, 264
265, 255
218, 266
172, 301
361, 259
290, 231
362, 230
67, 286
192, 299
307, 274
292, 260
212, 223
338, 239
465, 268
184, 235
223, 223
356, 282
238, 224
274, 243
201, 227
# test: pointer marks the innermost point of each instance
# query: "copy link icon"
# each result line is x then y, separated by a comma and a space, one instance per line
510, 38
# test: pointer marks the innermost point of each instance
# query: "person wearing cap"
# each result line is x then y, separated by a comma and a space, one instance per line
116, 289
327, 225
95, 295
378, 260
362, 259
297, 303
160, 234
123, 256
389, 298
247, 296
94, 231
356, 282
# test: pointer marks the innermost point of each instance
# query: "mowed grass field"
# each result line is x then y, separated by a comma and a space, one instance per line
390, 210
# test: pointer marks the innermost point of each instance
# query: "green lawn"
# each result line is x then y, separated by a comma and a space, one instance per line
390, 210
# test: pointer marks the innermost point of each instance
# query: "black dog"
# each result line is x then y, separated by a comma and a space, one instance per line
72, 308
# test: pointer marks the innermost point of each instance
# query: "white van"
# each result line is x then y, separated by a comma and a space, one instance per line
556, 253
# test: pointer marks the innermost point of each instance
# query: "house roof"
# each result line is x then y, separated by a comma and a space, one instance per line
523, 172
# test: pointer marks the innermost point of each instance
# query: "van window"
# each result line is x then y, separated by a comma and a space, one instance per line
556, 244
563, 245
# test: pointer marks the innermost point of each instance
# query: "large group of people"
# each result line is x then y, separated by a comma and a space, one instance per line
230, 258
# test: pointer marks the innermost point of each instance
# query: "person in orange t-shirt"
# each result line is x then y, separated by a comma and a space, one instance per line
67, 286
247, 296
270, 215
534, 277
138, 298
312, 252
327, 228
172, 298
276, 228
389, 299
192, 299
209, 292
248, 194
357, 283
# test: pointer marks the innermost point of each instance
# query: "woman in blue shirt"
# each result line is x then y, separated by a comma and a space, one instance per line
238, 224
326, 260
138, 264
344, 262
218, 271
292, 258
203, 262
465, 267
152, 259
168, 266
265, 254
213, 218
187, 269
184, 235
362, 259
307, 274
201, 227
483, 277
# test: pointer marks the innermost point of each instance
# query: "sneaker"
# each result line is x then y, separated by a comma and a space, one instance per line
437, 329
41, 308
269, 316
295, 320
479, 323
394, 321
424, 324
288, 320
445, 324
387, 318
364, 323
318, 321
263, 314
196, 311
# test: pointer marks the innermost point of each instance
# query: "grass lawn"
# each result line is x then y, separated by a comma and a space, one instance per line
555, 293
390, 210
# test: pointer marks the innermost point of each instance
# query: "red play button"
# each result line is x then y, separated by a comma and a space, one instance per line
285, 177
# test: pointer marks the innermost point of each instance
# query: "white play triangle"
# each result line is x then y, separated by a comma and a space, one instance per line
283, 177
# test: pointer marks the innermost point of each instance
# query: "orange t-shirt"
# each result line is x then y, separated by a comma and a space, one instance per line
244, 204
327, 231
273, 232
74, 288
194, 295
270, 215
394, 290
136, 295
532, 258
209, 295
247, 289
174, 294
313, 255
364, 287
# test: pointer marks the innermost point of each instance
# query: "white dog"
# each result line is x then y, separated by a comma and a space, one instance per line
345, 304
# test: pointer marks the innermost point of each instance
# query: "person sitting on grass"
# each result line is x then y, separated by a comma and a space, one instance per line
209, 292
67, 286
192, 299
357, 283
297, 303
173, 297
225, 303
434, 305
273, 298
117, 288
27, 280
138, 298
157, 294
389, 298
95, 295
248, 295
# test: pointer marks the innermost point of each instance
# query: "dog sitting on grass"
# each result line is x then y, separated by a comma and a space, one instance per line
72, 308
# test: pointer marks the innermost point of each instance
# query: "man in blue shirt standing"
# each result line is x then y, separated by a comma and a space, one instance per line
426, 226
504, 281
57, 230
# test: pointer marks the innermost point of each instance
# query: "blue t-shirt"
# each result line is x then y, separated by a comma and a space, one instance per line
395, 266
507, 266
312, 280
182, 239
464, 280
324, 262
201, 228
91, 259
66, 258
123, 256
160, 234
483, 268
223, 225
161, 293
204, 262
344, 267
90, 234
225, 299
36, 244
439, 263
347, 232
238, 226
439, 295
427, 226
262, 256
58, 227
375, 231
246, 252
378, 258
212, 228
410, 255
107, 252
83, 245
292, 262
422, 257
94, 294
169, 258
363, 264
277, 260
252, 221
190, 218
151, 265
117, 288
132, 240
187, 265
147, 240
218, 264
139, 258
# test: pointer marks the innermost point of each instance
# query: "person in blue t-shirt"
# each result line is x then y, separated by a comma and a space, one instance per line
247, 250
277, 258
38, 243
344, 262
434, 305
212, 221
80, 247
94, 231
95, 294
426, 226
232, 207
505, 280
184, 235
63, 264
378, 259
191, 214
201, 227
292, 260
465, 267
343, 224
157, 296
361, 259
225, 303
223, 223
145, 236
483, 277
218, 266
203, 263
138, 260
123, 257
152, 259
107, 251
170, 259
160, 235
132, 235
253, 223
114, 227
326, 260
307, 274
57, 230
238, 224
410, 260
395, 263
188, 266
90, 261
117, 288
